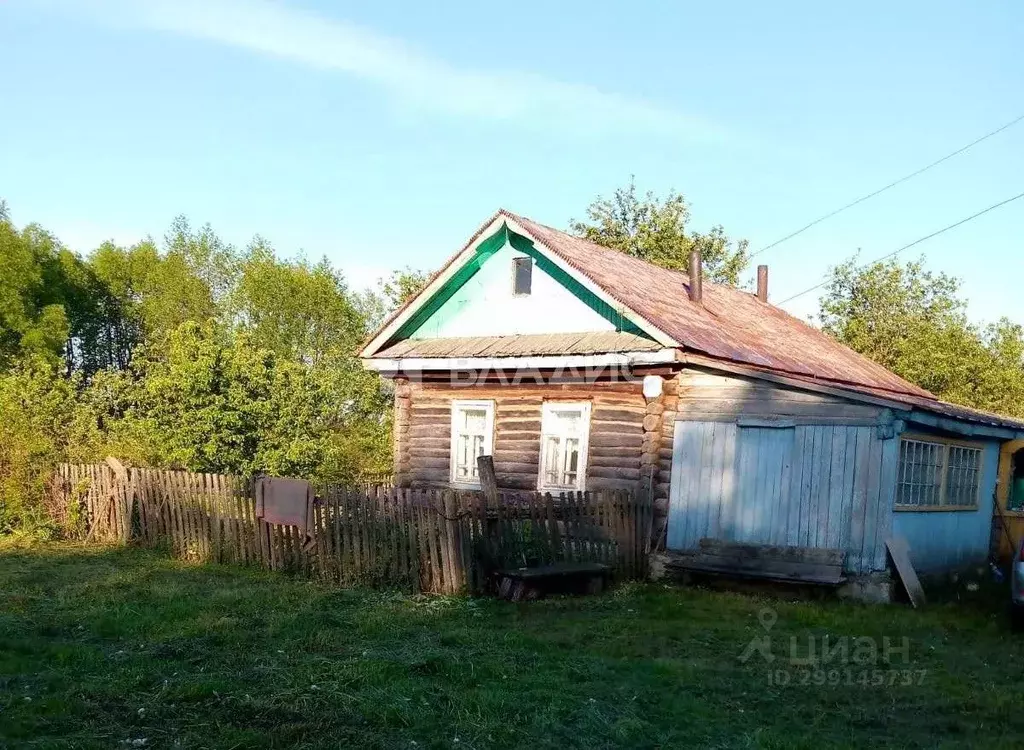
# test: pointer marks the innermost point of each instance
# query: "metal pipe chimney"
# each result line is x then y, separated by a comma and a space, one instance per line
762, 283
696, 277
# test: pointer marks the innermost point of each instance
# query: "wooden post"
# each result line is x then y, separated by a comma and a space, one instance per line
489, 484
488, 479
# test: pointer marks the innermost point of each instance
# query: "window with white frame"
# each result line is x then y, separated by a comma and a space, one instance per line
937, 474
565, 428
472, 436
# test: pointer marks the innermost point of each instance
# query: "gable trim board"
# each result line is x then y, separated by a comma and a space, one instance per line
482, 302
494, 235
413, 365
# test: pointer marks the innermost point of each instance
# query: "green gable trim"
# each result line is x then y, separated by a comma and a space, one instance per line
484, 251
595, 303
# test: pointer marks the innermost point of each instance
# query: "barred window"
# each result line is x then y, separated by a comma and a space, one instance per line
937, 475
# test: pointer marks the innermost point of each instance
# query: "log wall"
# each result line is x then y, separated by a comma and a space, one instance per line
616, 432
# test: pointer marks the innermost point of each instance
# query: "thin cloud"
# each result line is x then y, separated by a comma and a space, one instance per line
431, 84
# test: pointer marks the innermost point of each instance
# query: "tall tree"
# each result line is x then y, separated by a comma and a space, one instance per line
655, 230
391, 293
35, 288
299, 310
914, 322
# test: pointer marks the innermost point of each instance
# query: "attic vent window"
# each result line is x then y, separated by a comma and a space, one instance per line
522, 276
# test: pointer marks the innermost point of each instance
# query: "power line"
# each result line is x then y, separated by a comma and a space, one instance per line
911, 244
890, 185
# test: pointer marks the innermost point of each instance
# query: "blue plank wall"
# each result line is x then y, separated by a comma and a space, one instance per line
948, 540
823, 485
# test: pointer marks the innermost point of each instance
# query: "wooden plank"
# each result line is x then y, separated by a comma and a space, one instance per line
555, 570
376, 545
634, 530
770, 469
337, 550
451, 522
359, 554
871, 502
757, 510
677, 490
172, 493
806, 481
322, 538
831, 461
886, 500
769, 570
899, 552
445, 566
188, 515
860, 492
433, 536
346, 553
394, 535
691, 443
488, 479
232, 539
419, 499
783, 487
810, 555
415, 549
819, 474
849, 472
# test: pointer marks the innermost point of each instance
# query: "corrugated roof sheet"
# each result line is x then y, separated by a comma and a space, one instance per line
731, 324
521, 346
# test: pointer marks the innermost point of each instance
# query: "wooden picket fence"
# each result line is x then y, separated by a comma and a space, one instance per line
434, 540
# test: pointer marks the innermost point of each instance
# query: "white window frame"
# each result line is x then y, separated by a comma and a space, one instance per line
547, 428
457, 407
939, 493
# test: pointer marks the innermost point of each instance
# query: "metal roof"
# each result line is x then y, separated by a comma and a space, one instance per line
730, 325
521, 346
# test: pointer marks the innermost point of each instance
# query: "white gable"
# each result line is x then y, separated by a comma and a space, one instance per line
486, 306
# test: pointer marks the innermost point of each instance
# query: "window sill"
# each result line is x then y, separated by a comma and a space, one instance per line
935, 508
465, 485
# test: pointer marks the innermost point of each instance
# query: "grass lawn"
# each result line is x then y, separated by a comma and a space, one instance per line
105, 647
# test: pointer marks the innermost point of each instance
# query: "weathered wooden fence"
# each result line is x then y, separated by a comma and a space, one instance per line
422, 540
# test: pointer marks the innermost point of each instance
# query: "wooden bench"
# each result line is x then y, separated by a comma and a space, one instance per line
518, 584
802, 565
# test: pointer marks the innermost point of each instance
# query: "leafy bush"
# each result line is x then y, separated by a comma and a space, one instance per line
43, 423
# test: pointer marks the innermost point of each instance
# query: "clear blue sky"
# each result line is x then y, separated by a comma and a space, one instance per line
382, 134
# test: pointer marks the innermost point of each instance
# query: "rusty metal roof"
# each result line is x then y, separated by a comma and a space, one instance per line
929, 403
521, 346
731, 324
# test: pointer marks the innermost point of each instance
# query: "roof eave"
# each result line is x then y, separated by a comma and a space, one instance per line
963, 426
414, 365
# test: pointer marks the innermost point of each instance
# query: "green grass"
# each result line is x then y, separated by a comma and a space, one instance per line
103, 646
